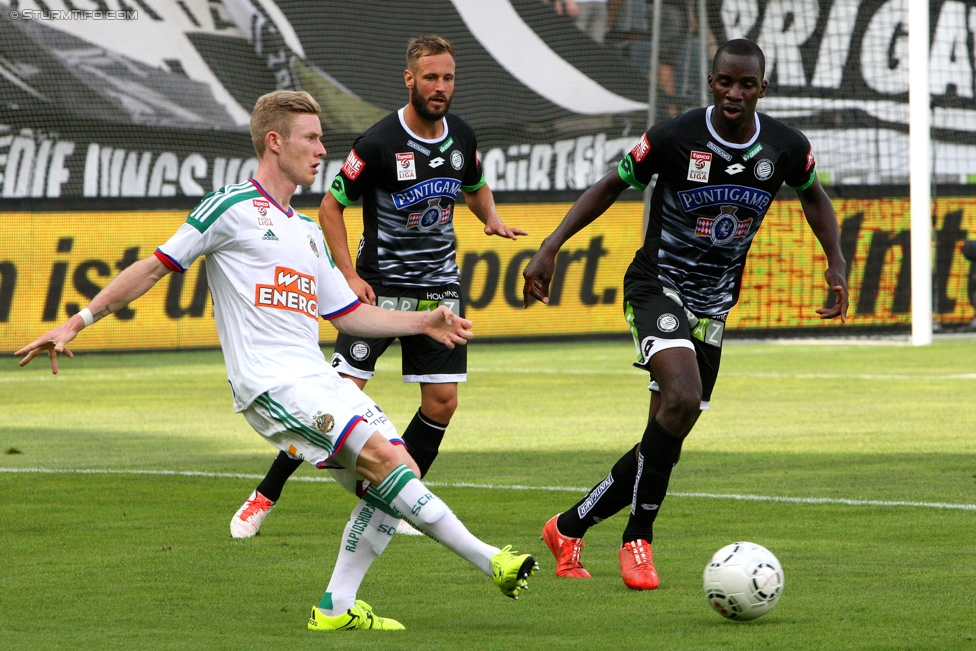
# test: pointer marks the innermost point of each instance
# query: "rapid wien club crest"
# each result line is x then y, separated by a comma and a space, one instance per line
324, 422
431, 217
724, 228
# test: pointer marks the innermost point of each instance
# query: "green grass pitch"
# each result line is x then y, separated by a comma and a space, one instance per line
854, 463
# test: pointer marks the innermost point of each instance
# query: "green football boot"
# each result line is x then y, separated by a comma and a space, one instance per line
511, 571
360, 616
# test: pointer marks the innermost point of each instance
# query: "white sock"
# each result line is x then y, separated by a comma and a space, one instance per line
428, 513
366, 535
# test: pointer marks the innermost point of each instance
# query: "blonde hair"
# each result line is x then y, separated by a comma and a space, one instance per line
274, 112
425, 46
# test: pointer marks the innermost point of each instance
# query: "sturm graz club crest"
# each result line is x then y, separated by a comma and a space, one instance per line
359, 351
763, 169
324, 422
667, 323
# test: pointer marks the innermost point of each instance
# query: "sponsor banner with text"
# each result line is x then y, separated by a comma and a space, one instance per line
51, 264
114, 100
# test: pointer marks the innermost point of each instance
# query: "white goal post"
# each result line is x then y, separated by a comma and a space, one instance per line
920, 184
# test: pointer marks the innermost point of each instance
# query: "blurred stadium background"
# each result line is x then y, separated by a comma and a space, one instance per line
116, 116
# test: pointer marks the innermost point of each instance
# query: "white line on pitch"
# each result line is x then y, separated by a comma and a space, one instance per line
93, 374
560, 489
917, 377
858, 376
87, 376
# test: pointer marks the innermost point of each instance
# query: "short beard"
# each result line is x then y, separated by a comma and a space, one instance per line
419, 104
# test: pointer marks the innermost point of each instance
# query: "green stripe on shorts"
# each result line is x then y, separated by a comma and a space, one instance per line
292, 424
629, 315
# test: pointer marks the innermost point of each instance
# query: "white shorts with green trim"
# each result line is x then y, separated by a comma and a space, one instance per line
323, 420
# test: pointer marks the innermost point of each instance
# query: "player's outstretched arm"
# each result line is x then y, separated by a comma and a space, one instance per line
134, 281
819, 212
482, 204
332, 221
440, 324
593, 203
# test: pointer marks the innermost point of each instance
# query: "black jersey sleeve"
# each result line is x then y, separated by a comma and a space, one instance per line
357, 173
474, 174
644, 160
802, 165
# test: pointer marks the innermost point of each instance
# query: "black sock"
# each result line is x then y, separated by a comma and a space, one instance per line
660, 450
604, 500
423, 438
281, 469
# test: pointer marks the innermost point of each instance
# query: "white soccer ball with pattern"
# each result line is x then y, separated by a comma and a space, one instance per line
743, 581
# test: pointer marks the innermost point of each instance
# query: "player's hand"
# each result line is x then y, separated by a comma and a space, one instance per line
362, 289
53, 342
538, 275
837, 281
448, 328
495, 226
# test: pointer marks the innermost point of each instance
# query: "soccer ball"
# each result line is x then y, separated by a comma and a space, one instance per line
743, 581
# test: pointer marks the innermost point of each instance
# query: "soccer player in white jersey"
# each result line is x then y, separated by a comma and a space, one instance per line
271, 276
408, 170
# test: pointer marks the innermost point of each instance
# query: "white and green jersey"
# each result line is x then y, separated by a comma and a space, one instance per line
271, 277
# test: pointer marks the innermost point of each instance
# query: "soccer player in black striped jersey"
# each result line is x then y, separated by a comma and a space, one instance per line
408, 169
718, 170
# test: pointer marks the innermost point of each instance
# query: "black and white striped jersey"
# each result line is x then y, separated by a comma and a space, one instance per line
709, 201
408, 186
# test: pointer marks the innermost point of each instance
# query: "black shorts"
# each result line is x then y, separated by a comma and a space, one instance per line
423, 359
659, 321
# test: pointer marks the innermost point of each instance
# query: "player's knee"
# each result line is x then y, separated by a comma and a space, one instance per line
440, 408
680, 410
379, 458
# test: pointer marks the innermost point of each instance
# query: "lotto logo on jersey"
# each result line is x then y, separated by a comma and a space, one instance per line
699, 165
406, 167
810, 160
292, 291
353, 166
640, 149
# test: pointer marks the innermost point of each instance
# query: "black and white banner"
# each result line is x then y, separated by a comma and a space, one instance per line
151, 98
